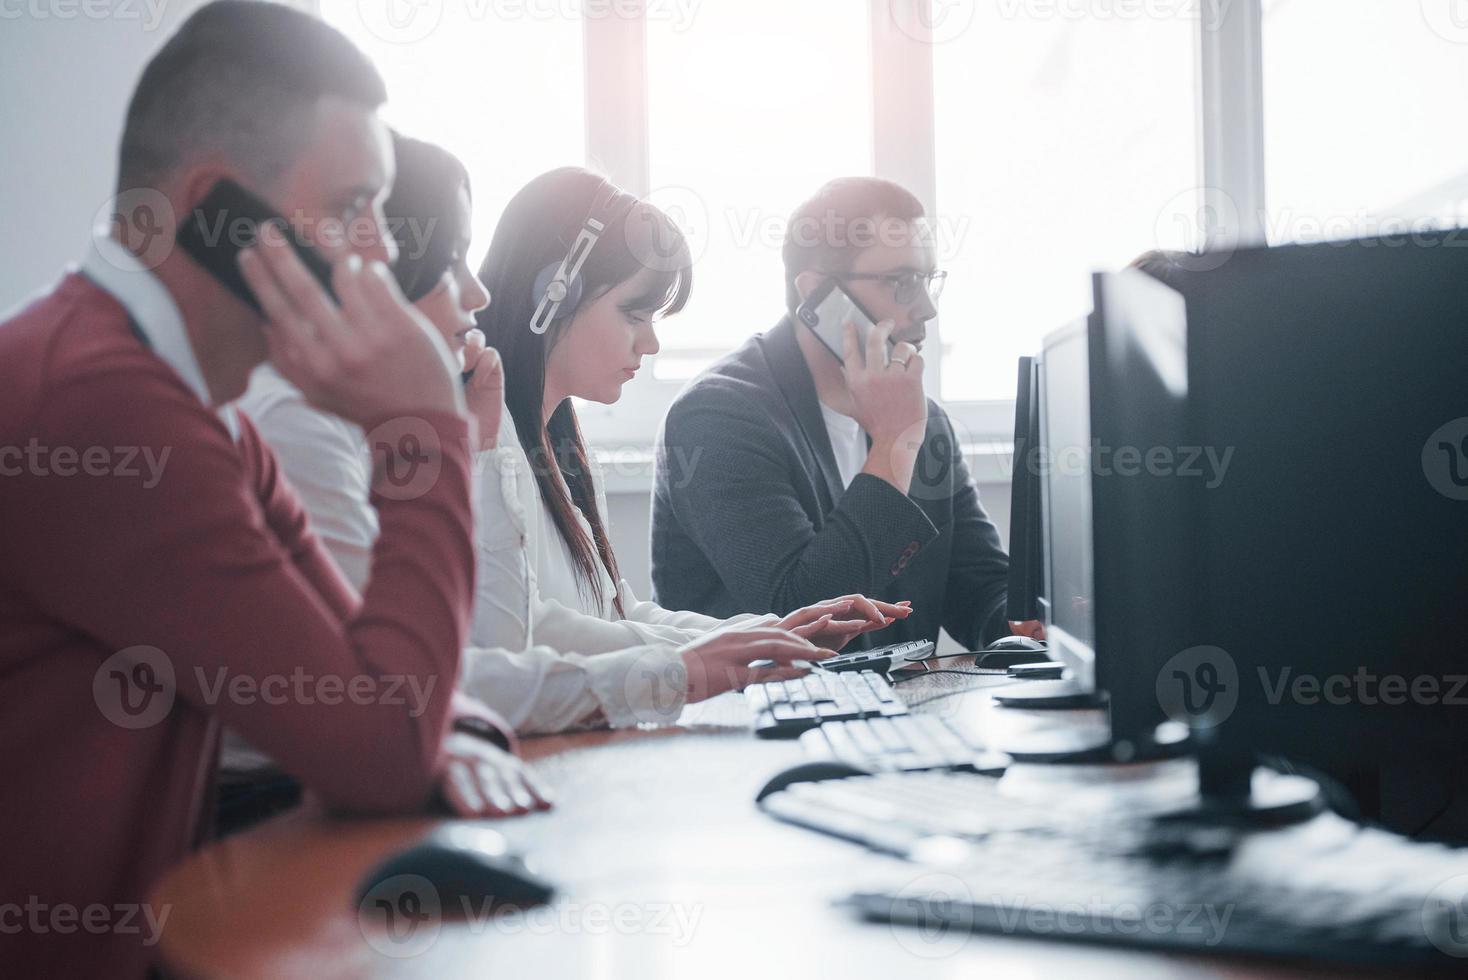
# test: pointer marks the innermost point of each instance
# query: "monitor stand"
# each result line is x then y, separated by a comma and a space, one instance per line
1169, 741
1233, 792
1061, 695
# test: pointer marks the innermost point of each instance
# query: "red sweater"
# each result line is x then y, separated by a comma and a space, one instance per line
207, 560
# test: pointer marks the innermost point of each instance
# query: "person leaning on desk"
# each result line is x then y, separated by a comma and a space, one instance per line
129, 607
785, 474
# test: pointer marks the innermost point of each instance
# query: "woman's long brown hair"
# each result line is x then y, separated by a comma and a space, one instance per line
537, 228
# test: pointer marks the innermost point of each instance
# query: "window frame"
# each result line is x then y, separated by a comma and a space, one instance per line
1230, 114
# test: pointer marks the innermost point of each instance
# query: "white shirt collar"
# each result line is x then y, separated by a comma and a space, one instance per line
116, 270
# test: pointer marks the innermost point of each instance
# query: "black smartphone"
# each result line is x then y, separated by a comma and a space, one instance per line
826, 312
225, 223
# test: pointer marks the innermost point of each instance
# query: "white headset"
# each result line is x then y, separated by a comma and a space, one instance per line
559, 284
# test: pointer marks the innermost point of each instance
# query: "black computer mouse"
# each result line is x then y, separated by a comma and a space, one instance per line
468, 868
1010, 651
809, 772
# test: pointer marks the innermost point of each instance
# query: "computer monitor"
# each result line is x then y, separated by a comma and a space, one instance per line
1146, 470
1026, 544
1333, 576
1068, 606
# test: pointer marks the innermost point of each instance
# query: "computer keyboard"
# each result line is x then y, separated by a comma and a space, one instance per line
786, 708
899, 812
1013, 867
901, 743
1056, 890
881, 659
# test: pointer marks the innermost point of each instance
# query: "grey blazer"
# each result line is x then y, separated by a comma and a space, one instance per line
749, 514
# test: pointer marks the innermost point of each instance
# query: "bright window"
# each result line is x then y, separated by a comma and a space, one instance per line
500, 85
752, 106
1066, 143
1362, 110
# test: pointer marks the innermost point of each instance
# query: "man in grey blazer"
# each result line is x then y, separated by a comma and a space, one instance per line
786, 474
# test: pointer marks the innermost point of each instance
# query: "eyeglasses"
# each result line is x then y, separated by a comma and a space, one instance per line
906, 286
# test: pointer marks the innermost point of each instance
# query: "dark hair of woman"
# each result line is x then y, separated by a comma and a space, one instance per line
423, 214
537, 228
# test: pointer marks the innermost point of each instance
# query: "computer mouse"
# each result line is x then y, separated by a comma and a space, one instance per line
809, 772
470, 868
1010, 651
1014, 644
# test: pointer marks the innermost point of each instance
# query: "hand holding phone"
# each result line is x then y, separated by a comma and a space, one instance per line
226, 222
484, 387
827, 311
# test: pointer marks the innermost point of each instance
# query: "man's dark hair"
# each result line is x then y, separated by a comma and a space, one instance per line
239, 80
846, 215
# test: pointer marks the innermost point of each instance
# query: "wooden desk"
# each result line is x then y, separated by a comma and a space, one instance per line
667, 869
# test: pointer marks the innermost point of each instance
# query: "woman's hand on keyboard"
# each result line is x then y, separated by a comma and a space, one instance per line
833, 623
721, 661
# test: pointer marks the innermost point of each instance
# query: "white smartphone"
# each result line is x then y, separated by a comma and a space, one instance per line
826, 312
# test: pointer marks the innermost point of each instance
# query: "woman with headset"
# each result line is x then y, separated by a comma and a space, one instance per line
580, 271
608, 675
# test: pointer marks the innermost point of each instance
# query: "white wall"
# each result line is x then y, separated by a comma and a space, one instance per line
67, 78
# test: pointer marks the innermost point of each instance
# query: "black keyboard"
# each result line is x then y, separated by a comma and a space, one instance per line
1009, 867
903, 743
1055, 891
882, 659
786, 708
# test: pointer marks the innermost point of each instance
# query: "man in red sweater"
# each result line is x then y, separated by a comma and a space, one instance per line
158, 577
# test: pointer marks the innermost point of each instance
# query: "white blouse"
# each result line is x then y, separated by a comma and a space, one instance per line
575, 670
529, 589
